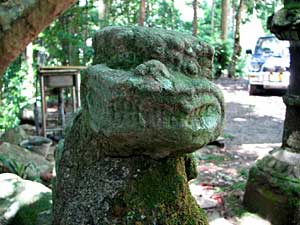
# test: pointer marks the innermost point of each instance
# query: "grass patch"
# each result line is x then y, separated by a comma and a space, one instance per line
235, 206
216, 159
235, 195
228, 136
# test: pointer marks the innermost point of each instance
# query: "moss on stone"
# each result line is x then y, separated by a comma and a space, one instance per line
22, 201
272, 194
28, 215
127, 47
190, 166
152, 110
14, 136
291, 4
146, 102
156, 192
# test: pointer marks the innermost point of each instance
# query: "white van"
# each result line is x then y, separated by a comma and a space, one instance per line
269, 65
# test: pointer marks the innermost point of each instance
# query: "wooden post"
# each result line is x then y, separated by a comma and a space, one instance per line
44, 107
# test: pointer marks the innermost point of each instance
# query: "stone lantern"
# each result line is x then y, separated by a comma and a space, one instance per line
273, 188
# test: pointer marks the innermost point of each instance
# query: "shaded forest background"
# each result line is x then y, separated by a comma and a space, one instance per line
67, 41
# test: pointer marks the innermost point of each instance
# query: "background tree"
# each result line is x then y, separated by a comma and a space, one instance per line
212, 22
195, 18
105, 13
237, 46
65, 42
224, 19
14, 33
142, 12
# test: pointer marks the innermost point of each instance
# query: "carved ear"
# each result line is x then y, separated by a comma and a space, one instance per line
152, 68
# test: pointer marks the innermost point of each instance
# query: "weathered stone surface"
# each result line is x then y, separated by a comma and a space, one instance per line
26, 115
134, 190
14, 136
128, 47
44, 218
190, 166
273, 187
132, 114
22, 201
21, 21
156, 108
29, 129
122, 158
285, 23
293, 141
23, 157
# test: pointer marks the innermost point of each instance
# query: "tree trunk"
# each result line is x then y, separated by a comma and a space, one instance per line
17, 32
142, 12
236, 47
104, 7
212, 22
1, 91
28, 84
224, 20
232, 16
70, 52
195, 19
107, 6
172, 15
63, 20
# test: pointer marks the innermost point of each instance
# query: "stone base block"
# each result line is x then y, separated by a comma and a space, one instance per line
272, 193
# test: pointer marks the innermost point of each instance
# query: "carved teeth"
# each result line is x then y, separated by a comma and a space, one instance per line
150, 115
201, 118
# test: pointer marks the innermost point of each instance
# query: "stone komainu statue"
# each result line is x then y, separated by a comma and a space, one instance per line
147, 101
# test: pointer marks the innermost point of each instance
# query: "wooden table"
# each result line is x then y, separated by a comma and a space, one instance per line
59, 78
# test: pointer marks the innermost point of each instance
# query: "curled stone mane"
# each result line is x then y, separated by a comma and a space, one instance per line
126, 48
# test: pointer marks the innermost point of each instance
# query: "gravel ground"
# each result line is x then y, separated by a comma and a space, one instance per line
253, 127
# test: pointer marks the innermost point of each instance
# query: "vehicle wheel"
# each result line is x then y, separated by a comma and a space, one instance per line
252, 89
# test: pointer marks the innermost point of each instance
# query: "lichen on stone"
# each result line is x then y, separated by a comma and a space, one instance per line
148, 198
151, 113
146, 102
190, 166
128, 47
274, 183
285, 23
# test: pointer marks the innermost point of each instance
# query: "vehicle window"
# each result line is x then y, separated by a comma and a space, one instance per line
272, 46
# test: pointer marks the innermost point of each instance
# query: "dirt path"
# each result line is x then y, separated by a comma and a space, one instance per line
253, 127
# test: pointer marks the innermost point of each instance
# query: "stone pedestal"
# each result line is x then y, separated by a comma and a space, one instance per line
273, 187
146, 103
